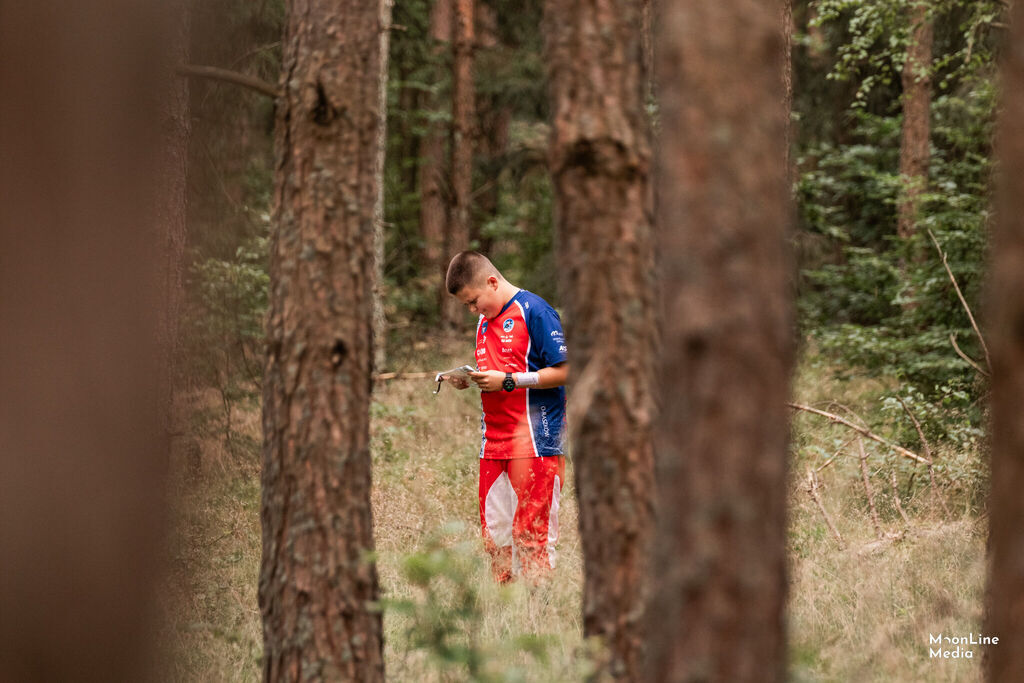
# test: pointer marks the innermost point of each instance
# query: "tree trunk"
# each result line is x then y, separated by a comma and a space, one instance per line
433, 171
171, 206
600, 163
917, 93
492, 136
716, 610
82, 452
463, 93
380, 321
316, 584
1005, 613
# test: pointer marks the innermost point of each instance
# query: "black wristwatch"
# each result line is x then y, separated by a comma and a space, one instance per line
508, 384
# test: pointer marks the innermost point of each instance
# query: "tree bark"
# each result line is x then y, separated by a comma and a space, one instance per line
463, 94
719, 584
433, 173
172, 208
600, 163
316, 584
1005, 613
917, 93
380, 321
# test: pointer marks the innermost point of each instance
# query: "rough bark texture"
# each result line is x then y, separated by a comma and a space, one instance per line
463, 93
433, 172
81, 449
600, 162
917, 94
1005, 614
716, 610
316, 583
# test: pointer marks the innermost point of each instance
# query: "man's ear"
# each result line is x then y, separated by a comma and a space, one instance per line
492, 282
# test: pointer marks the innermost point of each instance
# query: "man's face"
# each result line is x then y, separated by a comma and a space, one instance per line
482, 299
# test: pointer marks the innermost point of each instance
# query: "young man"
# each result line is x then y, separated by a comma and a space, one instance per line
521, 371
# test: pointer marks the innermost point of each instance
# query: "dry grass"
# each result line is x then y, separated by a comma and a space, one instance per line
854, 614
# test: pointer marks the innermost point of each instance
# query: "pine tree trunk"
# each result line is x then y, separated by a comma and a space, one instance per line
171, 208
716, 611
316, 584
600, 163
380, 321
1005, 613
917, 93
433, 172
463, 94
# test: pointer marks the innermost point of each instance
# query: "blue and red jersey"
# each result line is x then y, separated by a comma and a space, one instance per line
526, 422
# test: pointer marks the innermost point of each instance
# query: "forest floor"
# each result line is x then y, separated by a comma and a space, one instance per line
861, 612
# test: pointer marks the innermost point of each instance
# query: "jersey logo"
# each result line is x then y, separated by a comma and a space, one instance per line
508, 325
483, 327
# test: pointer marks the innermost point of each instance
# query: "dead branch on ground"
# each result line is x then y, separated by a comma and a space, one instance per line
963, 302
812, 490
928, 454
867, 488
896, 499
866, 432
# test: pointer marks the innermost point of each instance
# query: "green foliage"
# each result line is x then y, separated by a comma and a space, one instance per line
446, 621
877, 303
223, 328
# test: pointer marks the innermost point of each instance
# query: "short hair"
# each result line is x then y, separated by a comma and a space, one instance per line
466, 268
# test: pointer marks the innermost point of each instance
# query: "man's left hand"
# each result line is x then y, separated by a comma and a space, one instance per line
488, 380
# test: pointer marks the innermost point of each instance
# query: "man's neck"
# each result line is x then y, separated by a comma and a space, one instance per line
507, 290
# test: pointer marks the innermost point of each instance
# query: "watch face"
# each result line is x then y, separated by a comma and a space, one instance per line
508, 384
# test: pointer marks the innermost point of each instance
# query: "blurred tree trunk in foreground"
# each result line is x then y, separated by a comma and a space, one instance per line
463, 116
719, 584
1006, 339
915, 151
81, 449
316, 583
600, 162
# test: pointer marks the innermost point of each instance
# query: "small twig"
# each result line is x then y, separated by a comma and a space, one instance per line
963, 301
928, 454
867, 488
835, 455
896, 499
233, 77
869, 434
966, 358
812, 489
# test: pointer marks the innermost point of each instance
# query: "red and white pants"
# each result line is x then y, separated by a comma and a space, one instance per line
519, 514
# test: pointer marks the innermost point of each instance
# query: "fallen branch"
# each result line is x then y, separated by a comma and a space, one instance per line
896, 499
866, 432
928, 454
963, 301
224, 75
835, 455
384, 376
867, 488
812, 489
967, 358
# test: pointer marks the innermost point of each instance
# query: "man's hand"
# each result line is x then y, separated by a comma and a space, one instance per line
489, 380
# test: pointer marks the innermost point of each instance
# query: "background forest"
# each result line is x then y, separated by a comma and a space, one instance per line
882, 550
